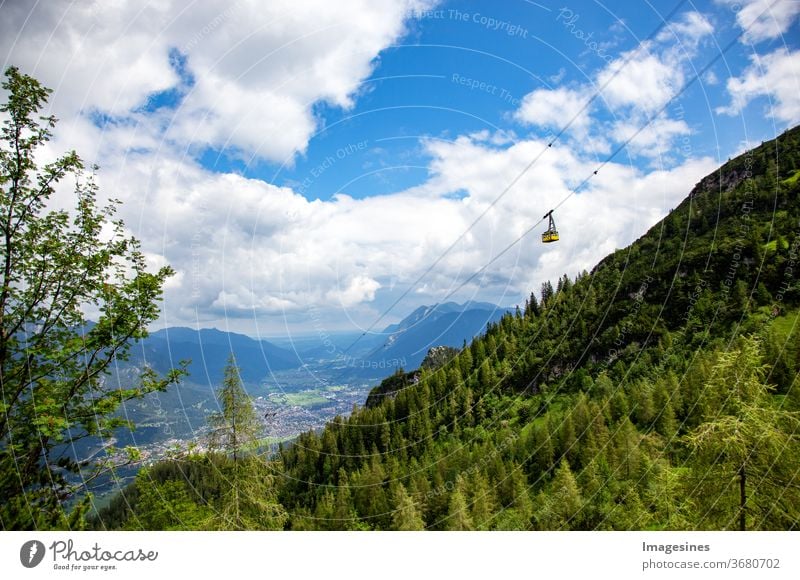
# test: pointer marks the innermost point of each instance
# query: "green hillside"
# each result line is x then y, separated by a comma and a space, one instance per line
655, 392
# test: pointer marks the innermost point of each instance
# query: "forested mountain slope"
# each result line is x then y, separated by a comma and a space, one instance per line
656, 392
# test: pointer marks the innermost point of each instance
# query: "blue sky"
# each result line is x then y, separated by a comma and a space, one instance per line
465, 66
304, 165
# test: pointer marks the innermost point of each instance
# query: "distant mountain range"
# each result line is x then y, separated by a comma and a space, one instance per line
402, 344
209, 349
448, 324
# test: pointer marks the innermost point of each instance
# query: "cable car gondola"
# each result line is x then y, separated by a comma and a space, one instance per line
551, 235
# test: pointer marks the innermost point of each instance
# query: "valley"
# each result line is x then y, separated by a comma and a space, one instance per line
297, 384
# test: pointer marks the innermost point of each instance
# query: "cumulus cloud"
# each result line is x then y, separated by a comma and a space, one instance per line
643, 80
554, 108
613, 210
763, 19
653, 140
247, 251
252, 71
689, 29
776, 76
633, 89
94, 55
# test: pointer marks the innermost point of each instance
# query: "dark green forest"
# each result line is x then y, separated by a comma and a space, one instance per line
658, 391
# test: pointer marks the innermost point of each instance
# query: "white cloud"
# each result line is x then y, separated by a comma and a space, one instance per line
81, 51
643, 80
764, 19
633, 88
776, 76
653, 140
554, 108
618, 205
258, 68
689, 29
359, 288
248, 251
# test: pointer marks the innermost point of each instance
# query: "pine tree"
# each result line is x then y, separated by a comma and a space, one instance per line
672, 506
167, 505
547, 294
542, 451
250, 501
483, 502
665, 421
465, 360
627, 450
513, 494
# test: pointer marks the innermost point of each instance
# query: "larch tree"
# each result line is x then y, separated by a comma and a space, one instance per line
745, 455
250, 501
562, 508
235, 427
406, 516
458, 518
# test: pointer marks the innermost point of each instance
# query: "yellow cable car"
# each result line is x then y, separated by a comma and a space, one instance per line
551, 234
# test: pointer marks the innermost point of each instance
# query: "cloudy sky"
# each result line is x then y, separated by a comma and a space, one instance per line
304, 164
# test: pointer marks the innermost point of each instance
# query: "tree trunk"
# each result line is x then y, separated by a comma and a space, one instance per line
742, 498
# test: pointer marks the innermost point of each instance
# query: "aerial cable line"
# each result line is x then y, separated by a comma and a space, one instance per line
574, 190
608, 159
664, 22
686, 85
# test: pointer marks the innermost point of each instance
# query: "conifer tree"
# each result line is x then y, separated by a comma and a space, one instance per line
561, 510
235, 427
458, 518
250, 501
483, 502
746, 453
406, 517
